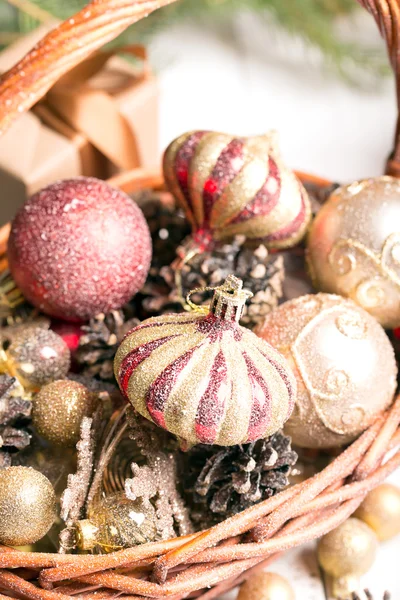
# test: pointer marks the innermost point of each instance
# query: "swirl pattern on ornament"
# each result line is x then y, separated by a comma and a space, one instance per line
347, 255
332, 384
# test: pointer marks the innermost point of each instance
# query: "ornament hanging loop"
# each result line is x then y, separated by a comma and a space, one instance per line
228, 299
197, 307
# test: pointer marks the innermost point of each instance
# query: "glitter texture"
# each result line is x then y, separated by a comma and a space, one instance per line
79, 247
37, 356
354, 246
381, 511
266, 586
349, 550
58, 410
156, 481
229, 186
195, 374
27, 506
343, 362
116, 522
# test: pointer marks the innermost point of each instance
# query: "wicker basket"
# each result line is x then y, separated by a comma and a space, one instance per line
206, 564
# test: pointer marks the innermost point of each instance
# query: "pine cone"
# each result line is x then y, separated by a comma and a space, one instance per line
168, 228
262, 273
221, 482
167, 223
15, 414
366, 595
99, 342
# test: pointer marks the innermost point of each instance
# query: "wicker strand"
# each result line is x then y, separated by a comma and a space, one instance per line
40, 560
387, 16
229, 584
72, 566
278, 543
63, 48
379, 447
377, 478
204, 576
25, 589
273, 522
83, 565
341, 467
209, 574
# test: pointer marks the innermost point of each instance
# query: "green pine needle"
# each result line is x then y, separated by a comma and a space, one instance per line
312, 20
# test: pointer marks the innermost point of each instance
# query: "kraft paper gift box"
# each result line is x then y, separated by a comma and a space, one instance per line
99, 119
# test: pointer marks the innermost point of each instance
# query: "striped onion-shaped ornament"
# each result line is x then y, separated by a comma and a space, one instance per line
231, 186
205, 378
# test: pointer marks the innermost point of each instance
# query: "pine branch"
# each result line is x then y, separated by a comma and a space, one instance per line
32, 10
312, 20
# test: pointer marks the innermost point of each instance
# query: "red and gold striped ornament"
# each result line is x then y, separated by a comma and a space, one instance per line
236, 186
205, 378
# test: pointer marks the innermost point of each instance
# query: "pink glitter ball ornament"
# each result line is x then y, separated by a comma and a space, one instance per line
79, 247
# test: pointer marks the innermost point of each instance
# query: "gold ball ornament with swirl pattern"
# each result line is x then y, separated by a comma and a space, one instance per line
343, 362
205, 378
354, 246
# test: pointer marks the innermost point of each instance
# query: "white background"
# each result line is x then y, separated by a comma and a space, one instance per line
249, 79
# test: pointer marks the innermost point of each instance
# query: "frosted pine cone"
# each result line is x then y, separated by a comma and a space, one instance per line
99, 342
261, 272
15, 414
221, 482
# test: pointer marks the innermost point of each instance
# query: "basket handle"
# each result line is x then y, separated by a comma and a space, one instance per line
102, 20
63, 48
387, 16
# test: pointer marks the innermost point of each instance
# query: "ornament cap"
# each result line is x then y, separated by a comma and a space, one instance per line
86, 534
229, 299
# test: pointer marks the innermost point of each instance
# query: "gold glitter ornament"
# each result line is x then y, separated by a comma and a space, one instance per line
381, 511
266, 586
35, 357
354, 246
343, 362
205, 378
115, 522
346, 553
58, 409
27, 506
231, 186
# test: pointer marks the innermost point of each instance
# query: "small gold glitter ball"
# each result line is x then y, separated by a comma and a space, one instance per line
58, 409
354, 246
381, 511
27, 506
37, 356
349, 550
344, 366
266, 586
